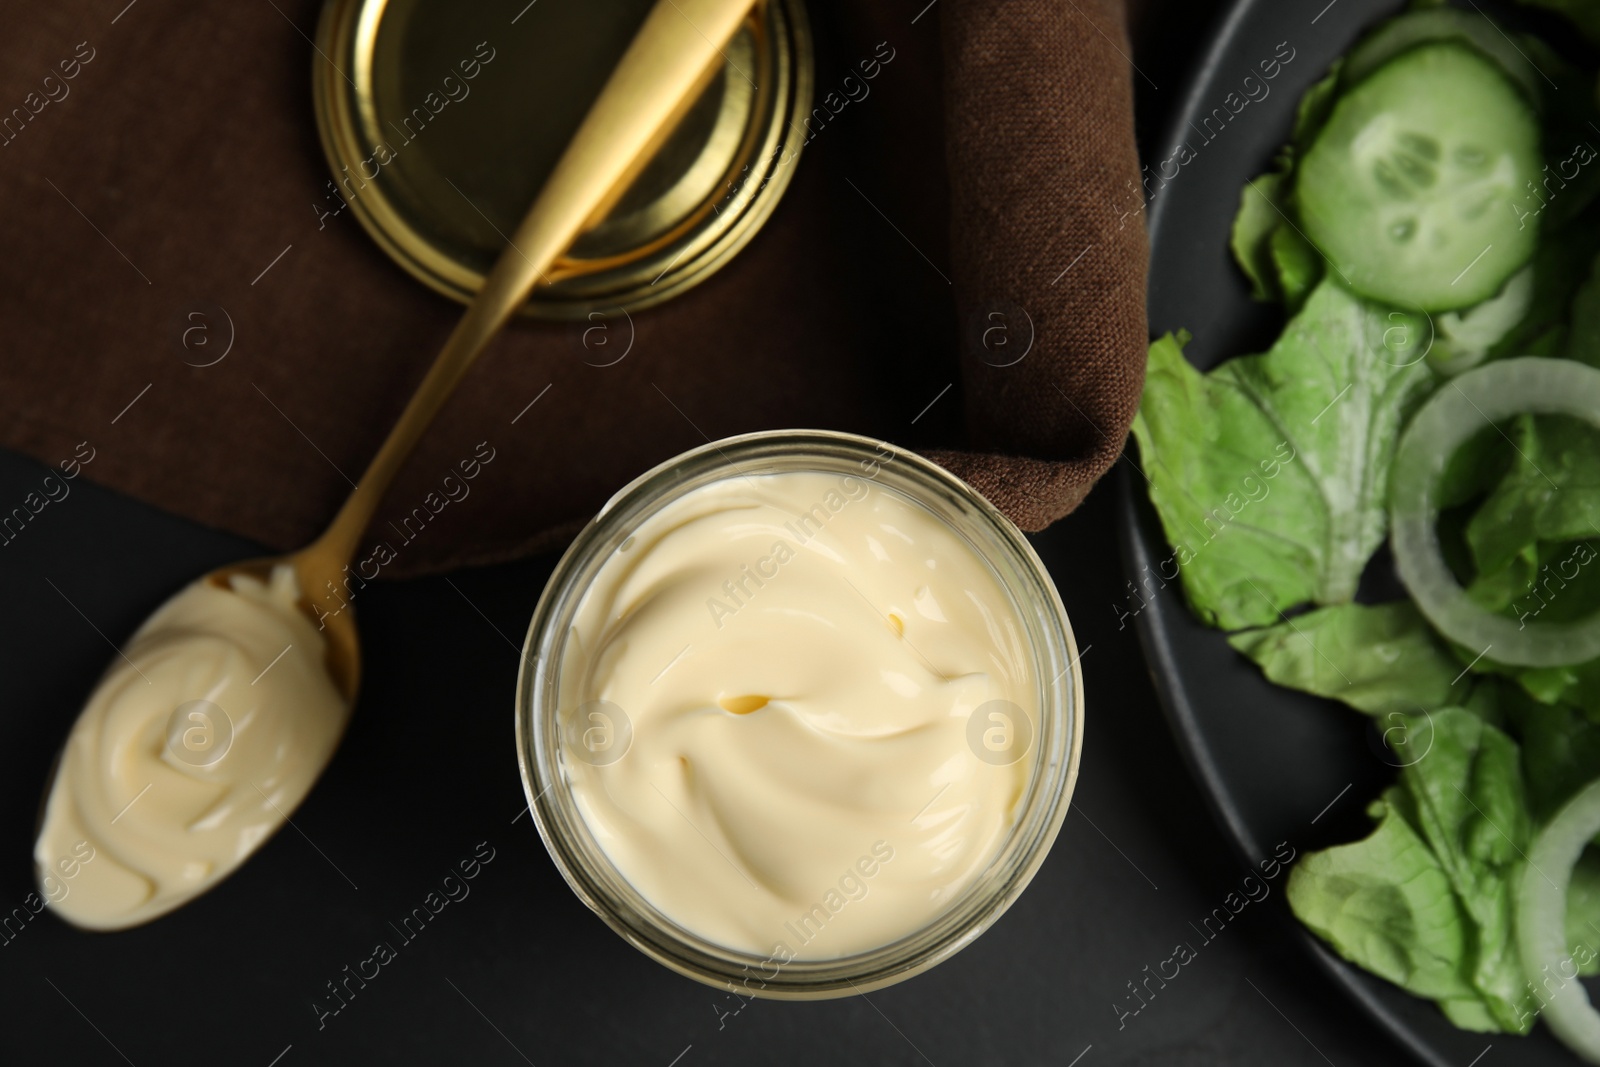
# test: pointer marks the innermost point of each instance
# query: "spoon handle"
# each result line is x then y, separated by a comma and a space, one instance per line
671, 57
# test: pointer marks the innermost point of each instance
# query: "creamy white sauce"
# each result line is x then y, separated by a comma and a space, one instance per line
202, 737
792, 665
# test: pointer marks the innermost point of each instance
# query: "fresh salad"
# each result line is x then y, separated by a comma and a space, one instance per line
1432, 233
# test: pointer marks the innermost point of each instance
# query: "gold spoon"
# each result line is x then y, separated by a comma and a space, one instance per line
676, 52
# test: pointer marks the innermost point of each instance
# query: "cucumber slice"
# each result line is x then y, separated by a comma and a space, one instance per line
1432, 25
1412, 190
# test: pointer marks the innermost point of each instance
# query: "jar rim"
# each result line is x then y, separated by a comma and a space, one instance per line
1056, 750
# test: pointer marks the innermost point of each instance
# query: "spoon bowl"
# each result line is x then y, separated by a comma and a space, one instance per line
342, 643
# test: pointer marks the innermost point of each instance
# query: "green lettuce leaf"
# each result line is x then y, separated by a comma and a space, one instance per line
1560, 751
1299, 265
1281, 265
1535, 542
1258, 217
1426, 900
1547, 582
1380, 659
1270, 473
1551, 491
1311, 114
1385, 904
1472, 809
1578, 685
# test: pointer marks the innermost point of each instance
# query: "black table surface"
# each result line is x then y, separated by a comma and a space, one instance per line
519, 971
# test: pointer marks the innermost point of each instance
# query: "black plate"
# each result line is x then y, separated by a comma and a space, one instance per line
1276, 765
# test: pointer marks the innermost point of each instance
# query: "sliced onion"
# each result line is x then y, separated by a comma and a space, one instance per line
1462, 339
1460, 409
1542, 922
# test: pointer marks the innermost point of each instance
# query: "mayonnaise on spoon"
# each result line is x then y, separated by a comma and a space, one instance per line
212, 726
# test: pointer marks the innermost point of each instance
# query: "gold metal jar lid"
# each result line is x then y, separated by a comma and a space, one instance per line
441, 121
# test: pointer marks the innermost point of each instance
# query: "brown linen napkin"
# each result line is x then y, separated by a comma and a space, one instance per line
958, 267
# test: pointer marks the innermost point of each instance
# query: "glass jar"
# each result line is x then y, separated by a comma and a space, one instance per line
1054, 750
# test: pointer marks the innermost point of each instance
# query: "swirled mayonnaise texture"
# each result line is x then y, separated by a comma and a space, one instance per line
767, 697
203, 735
